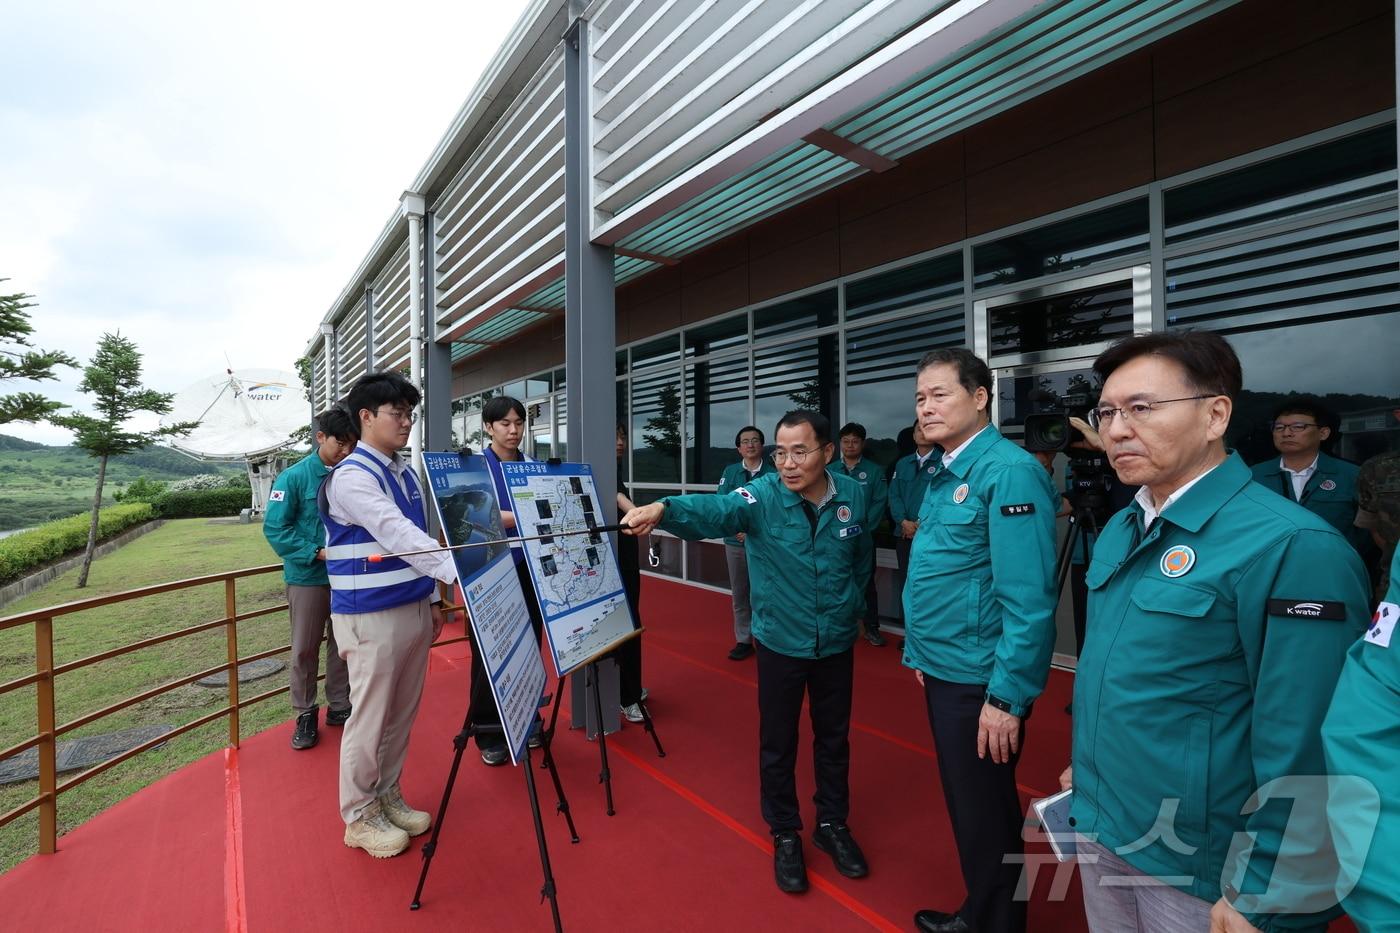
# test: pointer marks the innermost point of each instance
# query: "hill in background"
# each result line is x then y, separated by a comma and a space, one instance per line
39, 483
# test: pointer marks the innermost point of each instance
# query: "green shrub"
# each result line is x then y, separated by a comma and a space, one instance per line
202, 503
142, 490
22, 552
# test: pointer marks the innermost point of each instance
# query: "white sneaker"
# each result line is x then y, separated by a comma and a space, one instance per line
375, 834
633, 713
414, 822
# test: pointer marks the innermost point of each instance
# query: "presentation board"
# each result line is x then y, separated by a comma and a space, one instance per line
465, 498
576, 576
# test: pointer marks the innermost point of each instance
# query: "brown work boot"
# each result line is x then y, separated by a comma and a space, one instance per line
414, 822
375, 834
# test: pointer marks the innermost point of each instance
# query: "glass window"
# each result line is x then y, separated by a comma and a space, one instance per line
802, 374
1336, 361
539, 430
1342, 172
1081, 241
669, 549
473, 434
622, 362
717, 406
1036, 393
561, 431
656, 352
923, 282
538, 385
880, 365
733, 331
656, 428
560, 383
515, 390
815, 310
705, 563
1069, 319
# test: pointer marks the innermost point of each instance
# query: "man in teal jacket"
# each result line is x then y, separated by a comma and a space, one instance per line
293, 527
871, 477
1303, 473
907, 484
979, 608
807, 537
1361, 738
1219, 618
750, 465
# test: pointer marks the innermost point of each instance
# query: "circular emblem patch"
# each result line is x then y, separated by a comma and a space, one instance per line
1328, 485
930, 470
861, 474
960, 493
1177, 561
843, 513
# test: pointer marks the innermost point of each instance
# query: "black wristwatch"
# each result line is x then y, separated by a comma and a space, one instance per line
998, 703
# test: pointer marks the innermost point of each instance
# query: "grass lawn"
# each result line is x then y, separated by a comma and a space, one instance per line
177, 550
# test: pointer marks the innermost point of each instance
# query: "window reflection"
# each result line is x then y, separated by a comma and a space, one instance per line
656, 428
802, 374
717, 406
1077, 318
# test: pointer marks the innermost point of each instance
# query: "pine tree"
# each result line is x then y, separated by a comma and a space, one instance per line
19, 359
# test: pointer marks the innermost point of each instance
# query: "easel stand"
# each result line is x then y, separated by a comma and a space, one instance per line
459, 744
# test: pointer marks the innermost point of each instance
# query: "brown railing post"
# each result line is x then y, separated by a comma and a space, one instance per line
231, 618
48, 741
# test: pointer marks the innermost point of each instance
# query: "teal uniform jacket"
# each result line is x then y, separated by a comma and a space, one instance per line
292, 523
907, 487
735, 476
1361, 738
871, 477
1330, 493
1214, 643
979, 601
807, 588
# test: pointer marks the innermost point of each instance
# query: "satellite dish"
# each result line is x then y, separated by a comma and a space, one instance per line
249, 415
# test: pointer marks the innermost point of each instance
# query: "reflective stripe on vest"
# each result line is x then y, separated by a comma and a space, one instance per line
356, 584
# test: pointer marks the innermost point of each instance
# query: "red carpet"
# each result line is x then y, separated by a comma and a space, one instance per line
251, 840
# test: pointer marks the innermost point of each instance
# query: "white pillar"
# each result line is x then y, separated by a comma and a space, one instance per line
328, 351
412, 206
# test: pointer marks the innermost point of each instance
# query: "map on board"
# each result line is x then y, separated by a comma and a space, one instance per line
576, 576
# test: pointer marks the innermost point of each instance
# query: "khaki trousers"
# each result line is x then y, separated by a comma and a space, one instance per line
310, 609
386, 654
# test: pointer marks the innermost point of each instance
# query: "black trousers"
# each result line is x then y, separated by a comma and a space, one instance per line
983, 807
482, 710
782, 683
872, 603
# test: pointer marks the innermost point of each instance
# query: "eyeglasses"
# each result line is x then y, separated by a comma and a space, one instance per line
398, 414
1292, 427
798, 456
1136, 413
750, 441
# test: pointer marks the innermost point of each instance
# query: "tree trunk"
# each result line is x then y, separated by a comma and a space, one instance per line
92, 527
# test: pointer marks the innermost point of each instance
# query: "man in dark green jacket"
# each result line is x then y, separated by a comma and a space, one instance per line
750, 465
293, 527
908, 483
871, 477
979, 621
1219, 617
1305, 474
807, 538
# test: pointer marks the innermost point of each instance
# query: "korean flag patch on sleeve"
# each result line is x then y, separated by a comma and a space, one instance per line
277, 495
745, 494
1383, 625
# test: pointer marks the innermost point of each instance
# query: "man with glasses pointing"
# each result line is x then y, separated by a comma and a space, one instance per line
807, 540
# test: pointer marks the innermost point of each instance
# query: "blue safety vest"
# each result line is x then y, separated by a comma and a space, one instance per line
357, 585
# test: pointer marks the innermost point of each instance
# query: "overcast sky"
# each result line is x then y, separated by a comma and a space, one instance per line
206, 178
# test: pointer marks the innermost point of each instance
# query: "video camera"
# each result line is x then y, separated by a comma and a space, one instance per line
1091, 478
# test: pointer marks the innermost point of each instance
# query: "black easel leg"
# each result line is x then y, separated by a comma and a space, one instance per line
459, 743
547, 762
605, 775
547, 890
548, 758
651, 729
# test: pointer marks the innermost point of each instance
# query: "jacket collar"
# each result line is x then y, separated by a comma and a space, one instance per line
790, 499
981, 441
1207, 497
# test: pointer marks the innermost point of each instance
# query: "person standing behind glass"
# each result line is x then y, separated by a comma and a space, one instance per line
752, 464
877, 493
503, 419
907, 487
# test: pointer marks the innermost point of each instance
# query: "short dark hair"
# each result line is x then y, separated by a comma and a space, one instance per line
745, 430
498, 406
375, 389
335, 422
973, 373
821, 427
1209, 361
852, 427
1308, 405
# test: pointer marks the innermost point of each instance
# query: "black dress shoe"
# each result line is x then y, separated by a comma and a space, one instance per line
493, 756
789, 870
936, 921
337, 717
873, 636
835, 840
305, 735
739, 652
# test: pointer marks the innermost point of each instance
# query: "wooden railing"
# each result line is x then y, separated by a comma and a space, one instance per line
46, 673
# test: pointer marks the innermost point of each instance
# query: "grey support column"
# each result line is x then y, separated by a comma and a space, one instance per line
590, 326
437, 362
